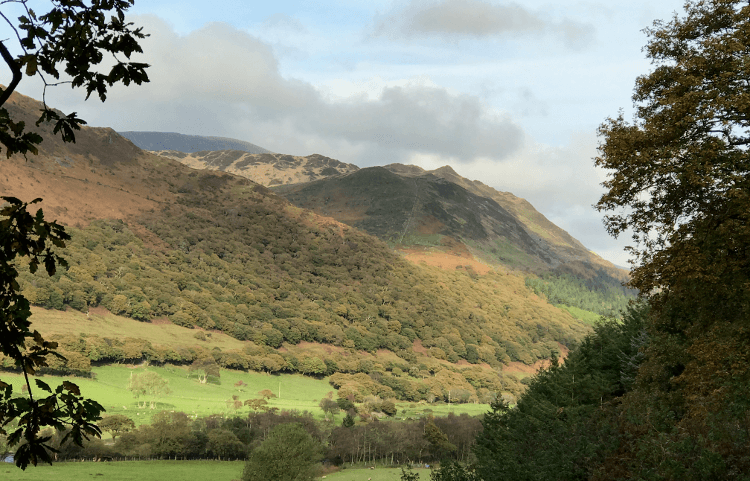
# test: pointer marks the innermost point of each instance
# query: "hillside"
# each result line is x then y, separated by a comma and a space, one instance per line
188, 143
407, 207
434, 217
157, 241
266, 169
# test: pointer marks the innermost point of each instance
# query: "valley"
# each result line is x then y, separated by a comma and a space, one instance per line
409, 295
162, 243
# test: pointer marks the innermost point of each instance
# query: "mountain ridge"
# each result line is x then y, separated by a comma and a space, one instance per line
157, 141
439, 210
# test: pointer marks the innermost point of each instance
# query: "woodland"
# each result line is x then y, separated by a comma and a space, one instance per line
177, 435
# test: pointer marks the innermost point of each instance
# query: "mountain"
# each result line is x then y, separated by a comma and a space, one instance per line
157, 141
406, 206
157, 241
265, 169
439, 210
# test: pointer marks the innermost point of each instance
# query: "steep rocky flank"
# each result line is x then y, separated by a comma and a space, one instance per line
407, 207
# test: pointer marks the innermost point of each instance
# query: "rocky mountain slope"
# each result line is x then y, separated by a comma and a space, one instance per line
266, 169
436, 217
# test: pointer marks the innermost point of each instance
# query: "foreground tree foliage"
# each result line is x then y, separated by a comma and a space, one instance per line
681, 182
32, 238
73, 36
564, 425
664, 395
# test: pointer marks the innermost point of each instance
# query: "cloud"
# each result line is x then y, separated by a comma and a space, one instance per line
220, 80
474, 18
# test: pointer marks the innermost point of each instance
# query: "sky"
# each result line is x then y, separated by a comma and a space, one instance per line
507, 93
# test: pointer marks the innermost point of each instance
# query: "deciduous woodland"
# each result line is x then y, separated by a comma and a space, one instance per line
176, 435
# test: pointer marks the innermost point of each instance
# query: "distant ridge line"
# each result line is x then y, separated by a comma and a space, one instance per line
156, 141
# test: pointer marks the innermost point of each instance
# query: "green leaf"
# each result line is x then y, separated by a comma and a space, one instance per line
43, 385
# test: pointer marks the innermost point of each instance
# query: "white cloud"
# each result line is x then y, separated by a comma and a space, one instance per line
475, 18
219, 80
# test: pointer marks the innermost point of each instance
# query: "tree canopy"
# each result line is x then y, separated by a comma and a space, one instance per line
681, 169
73, 37
289, 453
681, 181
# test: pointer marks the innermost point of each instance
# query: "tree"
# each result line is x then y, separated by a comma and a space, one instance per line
266, 394
259, 404
224, 444
348, 420
408, 474
205, 366
439, 444
148, 384
76, 36
682, 166
329, 407
234, 403
116, 424
289, 453
680, 180
453, 471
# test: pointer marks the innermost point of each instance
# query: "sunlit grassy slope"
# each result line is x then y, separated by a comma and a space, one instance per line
99, 322
293, 391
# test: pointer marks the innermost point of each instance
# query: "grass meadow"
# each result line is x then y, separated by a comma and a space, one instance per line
109, 388
588, 317
175, 470
109, 383
293, 391
127, 471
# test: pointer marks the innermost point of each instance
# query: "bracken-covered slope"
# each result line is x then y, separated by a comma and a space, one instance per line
155, 240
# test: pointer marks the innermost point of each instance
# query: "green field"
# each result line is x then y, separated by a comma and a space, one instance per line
377, 474
127, 471
293, 391
588, 317
174, 470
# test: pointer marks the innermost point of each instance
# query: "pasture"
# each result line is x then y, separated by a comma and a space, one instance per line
127, 471
174, 470
294, 392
